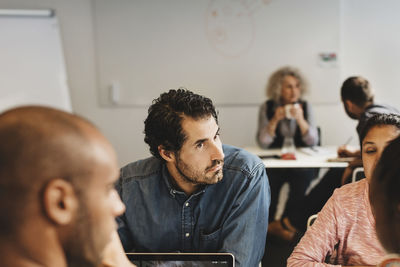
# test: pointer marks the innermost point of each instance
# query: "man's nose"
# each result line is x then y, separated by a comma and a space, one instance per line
217, 153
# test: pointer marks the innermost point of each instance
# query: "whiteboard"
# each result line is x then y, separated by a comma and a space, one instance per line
224, 49
31, 63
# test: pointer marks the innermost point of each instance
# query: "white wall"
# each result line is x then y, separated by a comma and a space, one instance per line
124, 126
370, 47
223, 49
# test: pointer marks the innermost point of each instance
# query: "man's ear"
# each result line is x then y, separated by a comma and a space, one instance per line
60, 201
349, 104
167, 155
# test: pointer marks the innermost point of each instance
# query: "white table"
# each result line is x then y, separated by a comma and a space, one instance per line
305, 158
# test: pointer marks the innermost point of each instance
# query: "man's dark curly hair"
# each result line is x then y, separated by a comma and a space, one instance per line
357, 90
163, 125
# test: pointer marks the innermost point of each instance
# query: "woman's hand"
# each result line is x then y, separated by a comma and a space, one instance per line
279, 114
297, 112
273, 123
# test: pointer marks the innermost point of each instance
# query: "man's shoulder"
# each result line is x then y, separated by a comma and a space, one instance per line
372, 110
241, 160
142, 168
380, 109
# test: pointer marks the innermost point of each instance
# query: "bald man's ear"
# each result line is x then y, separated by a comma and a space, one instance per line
167, 155
60, 201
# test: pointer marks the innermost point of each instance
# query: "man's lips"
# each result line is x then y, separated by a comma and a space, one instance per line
215, 168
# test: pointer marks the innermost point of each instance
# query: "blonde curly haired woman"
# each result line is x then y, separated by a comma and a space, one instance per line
286, 114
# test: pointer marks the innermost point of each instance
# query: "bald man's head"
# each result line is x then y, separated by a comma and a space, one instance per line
38, 144
57, 175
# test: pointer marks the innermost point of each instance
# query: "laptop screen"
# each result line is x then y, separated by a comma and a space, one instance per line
182, 259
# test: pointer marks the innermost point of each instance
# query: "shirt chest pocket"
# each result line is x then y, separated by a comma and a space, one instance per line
210, 242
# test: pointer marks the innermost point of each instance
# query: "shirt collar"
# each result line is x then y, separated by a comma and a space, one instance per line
172, 189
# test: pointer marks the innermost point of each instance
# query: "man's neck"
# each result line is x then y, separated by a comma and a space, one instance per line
12, 256
180, 182
19, 253
366, 105
359, 110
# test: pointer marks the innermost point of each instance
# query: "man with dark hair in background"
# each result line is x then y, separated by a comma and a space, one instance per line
57, 198
194, 194
358, 102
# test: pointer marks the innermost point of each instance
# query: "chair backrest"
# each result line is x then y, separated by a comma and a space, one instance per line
358, 174
311, 220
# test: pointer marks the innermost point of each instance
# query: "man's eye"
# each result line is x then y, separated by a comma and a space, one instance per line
199, 145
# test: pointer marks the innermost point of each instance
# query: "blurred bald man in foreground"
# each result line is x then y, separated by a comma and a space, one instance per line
57, 196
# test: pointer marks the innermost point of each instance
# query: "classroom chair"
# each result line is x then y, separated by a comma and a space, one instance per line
358, 174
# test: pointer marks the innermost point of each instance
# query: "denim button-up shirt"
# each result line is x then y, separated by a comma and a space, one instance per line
230, 216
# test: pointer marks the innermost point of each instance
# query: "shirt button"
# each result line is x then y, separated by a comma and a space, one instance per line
187, 234
187, 204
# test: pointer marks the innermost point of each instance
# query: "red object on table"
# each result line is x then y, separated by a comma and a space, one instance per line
288, 156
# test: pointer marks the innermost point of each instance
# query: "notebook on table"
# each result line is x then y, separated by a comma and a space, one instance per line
182, 259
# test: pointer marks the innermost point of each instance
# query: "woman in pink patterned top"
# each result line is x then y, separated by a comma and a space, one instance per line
344, 232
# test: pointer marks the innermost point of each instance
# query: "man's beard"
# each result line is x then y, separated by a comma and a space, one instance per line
80, 250
198, 177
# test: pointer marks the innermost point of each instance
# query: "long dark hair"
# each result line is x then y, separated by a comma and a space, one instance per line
385, 196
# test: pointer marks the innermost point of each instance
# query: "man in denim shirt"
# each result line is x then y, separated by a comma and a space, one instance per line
194, 194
